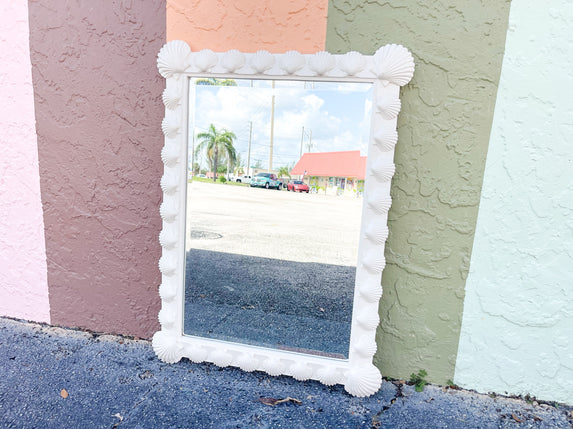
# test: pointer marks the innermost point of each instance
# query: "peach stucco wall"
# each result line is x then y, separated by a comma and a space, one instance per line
249, 25
23, 283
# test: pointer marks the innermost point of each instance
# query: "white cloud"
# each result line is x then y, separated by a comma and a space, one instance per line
335, 123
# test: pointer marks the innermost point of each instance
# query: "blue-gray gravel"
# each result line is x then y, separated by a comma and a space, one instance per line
117, 382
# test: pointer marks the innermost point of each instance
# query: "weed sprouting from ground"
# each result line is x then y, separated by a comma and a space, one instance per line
419, 380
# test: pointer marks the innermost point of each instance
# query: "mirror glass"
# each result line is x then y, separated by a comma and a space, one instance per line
272, 243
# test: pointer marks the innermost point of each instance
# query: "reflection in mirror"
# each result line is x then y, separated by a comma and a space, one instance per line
271, 254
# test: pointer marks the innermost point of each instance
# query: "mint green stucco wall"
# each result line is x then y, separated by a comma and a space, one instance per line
444, 131
517, 331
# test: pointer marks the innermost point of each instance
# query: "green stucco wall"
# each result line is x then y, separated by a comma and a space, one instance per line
444, 129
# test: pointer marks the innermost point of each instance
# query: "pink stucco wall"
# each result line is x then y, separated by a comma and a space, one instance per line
98, 113
249, 25
23, 284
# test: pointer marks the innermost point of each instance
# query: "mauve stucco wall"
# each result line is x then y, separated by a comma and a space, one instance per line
517, 332
98, 113
249, 25
443, 129
23, 283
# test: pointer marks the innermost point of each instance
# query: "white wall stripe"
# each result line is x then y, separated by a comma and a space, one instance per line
517, 324
23, 274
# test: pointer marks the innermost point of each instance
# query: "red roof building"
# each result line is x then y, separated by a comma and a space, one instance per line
332, 164
334, 173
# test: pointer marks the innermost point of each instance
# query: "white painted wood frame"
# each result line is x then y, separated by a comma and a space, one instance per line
391, 67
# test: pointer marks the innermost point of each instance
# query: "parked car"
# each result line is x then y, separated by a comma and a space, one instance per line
266, 180
243, 179
297, 186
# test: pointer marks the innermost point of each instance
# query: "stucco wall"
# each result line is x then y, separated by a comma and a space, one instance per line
443, 131
517, 333
23, 283
249, 25
98, 111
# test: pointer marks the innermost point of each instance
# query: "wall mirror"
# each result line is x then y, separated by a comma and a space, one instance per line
280, 272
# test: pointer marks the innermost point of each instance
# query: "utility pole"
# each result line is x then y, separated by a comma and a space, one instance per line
301, 141
249, 152
272, 130
310, 141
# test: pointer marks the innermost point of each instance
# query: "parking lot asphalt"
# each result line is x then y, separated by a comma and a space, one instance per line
273, 268
61, 378
274, 224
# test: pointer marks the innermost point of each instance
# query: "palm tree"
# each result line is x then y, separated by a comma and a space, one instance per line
284, 171
214, 142
239, 164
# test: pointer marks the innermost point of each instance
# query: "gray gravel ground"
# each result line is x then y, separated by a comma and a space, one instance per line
282, 259
117, 382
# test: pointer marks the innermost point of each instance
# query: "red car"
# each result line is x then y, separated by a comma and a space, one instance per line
297, 185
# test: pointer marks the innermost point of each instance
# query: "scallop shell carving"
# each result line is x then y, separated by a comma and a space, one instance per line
196, 354
329, 376
383, 171
301, 371
368, 320
389, 107
371, 291
233, 60
169, 210
273, 367
351, 63
377, 234
166, 317
205, 60
166, 347
167, 264
386, 140
262, 61
380, 202
247, 362
170, 154
292, 61
394, 63
170, 128
365, 347
363, 381
322, 62
168, 238
172, 58
167, 291
169, 182
221, 358
375, 262
171, 99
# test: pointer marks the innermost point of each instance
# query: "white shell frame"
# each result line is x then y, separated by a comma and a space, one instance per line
389, 68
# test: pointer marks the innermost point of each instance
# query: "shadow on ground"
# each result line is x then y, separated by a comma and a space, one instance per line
269, 302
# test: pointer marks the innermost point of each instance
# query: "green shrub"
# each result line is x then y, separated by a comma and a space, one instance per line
222, 179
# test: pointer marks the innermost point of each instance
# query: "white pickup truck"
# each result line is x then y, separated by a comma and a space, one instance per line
242, 179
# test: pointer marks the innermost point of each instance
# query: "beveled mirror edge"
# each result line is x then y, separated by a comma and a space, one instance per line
389, 68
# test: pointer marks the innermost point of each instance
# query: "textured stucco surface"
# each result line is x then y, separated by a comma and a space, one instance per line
23, 283
249, 25
98, 112
444, 131
517, 332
